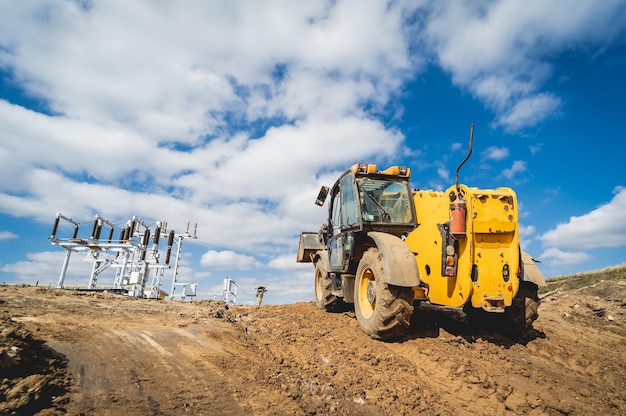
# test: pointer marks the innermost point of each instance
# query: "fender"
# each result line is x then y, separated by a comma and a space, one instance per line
398, 261
531, 272
322, 255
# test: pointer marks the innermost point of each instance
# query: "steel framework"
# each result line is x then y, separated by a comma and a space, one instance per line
135, 255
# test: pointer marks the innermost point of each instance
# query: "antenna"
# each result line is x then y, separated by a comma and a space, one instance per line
466, 157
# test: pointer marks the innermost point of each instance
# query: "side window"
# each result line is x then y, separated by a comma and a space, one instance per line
349, 208
336, 215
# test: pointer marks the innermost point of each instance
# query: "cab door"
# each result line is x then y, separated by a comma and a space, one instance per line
344, 217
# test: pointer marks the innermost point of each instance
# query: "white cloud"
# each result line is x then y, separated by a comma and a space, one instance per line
529, 111
604, 227
299, 285
526, 234
177, 71
558, 258
135, 132
442, 172
498, 50
495, 153
535, 148
227, 259
518, 166
7, 235
45, 268
288, 262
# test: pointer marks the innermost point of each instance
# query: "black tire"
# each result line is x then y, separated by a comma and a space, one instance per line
475, 316
524, 308
324, 298
383, 311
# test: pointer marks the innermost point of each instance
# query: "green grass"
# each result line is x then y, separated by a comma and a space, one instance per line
576, 281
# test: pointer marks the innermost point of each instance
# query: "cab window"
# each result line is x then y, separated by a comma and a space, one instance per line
349, 207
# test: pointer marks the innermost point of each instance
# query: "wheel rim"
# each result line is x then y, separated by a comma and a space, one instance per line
367, 293
318, 285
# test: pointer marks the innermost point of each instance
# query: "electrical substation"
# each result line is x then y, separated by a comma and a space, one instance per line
135, 256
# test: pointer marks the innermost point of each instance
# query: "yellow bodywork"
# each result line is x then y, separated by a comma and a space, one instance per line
491, 242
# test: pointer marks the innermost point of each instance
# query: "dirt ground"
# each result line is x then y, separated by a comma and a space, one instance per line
75, 353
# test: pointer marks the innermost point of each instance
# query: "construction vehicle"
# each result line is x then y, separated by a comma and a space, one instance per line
385, 247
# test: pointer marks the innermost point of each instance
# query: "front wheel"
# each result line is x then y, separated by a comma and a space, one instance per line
324, 298
383, 311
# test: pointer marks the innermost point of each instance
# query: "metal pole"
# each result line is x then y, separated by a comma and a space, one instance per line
120, 279
66, 262
179, 242
94, 274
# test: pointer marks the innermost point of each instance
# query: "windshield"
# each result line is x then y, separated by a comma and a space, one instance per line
384, 201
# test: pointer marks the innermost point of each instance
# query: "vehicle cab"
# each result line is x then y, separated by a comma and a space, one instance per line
362, 200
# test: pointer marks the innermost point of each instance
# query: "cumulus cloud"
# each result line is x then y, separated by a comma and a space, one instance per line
536, 148
145, 116
45, 267
7, 235
560, 258
227, 259
442, 172
518, 167
287, 262
495, 153
497, 49
123, 117
529, 111
526, 234
605, 226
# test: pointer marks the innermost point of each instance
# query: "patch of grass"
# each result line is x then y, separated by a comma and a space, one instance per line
576, 281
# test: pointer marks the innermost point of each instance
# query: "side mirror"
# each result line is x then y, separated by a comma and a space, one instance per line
321, 197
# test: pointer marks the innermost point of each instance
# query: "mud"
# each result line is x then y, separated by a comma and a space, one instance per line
82, 353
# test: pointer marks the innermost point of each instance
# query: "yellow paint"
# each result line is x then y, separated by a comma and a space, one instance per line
492, 240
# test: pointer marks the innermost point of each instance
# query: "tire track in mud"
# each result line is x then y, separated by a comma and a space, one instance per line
154, 368
156, 371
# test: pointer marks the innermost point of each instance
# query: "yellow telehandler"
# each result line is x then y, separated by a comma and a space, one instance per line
385, 247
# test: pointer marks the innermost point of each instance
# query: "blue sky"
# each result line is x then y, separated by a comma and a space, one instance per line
233, 114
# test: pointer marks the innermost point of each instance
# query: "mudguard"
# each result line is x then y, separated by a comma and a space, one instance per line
398, 261
531, 271
322, 255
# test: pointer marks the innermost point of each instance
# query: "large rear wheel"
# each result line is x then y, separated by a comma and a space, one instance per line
524, 308
383, 311
324, 298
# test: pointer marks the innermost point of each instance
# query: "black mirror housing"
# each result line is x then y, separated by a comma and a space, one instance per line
321, 197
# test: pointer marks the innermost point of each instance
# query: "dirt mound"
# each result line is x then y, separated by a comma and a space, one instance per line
34, 377
67, 352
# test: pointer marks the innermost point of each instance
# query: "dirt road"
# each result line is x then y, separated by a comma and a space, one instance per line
68, 352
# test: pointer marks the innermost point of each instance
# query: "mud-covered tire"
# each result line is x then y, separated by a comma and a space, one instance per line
383, 311
524, 309
324, 298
